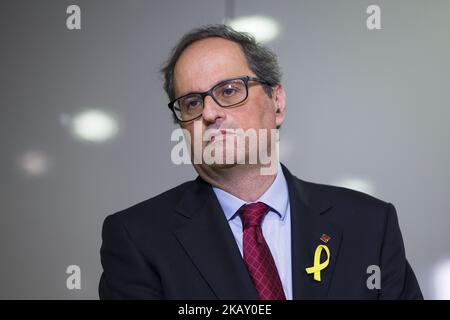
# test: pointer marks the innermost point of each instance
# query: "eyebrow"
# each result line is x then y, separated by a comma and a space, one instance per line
194, 92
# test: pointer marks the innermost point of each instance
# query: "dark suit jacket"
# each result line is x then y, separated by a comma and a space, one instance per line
178, 245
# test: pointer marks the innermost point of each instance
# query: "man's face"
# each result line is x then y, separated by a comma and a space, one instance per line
209, 61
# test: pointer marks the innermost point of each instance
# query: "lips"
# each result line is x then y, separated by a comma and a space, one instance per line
220, 134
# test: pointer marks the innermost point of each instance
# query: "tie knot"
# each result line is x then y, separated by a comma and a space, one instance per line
253, 214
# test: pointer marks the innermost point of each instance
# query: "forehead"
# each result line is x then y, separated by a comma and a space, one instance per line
206, 62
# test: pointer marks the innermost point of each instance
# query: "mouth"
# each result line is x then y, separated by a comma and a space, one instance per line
220, 135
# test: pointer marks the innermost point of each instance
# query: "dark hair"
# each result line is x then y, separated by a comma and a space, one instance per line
262, 61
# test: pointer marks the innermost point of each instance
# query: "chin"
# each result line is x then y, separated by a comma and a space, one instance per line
222, 166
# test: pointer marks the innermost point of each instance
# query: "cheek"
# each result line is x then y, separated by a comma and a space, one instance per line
265, 114
190, 132
257, 119
256, 113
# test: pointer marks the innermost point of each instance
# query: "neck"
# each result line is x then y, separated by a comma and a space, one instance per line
243, 180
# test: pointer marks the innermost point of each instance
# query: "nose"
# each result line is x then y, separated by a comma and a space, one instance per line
212, 111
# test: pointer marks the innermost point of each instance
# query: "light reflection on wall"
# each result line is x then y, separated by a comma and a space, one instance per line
357, 184
92, 125
441, 280
263, 28
34, 163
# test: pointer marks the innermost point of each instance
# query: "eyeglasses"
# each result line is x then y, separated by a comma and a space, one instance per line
226, 93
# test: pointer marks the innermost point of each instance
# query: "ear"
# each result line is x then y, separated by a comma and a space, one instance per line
279, 100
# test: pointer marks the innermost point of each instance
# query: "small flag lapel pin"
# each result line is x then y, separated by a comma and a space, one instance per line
325, 238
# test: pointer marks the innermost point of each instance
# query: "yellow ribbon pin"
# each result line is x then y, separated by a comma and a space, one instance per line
319, 266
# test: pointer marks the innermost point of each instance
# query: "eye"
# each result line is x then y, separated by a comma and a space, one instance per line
191, 103
228, 92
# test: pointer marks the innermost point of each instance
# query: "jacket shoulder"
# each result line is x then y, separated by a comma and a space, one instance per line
349, 203
365, 218
155, 211
342, 195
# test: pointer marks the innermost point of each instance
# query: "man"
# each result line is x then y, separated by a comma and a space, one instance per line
237, 231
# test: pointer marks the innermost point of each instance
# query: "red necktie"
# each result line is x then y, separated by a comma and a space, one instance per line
257, 256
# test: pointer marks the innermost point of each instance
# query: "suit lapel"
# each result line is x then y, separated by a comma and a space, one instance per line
309, 221
208, 240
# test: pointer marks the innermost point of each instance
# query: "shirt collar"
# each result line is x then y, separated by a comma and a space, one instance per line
276, 196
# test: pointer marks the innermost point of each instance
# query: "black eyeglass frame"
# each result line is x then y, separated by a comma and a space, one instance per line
245, 79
